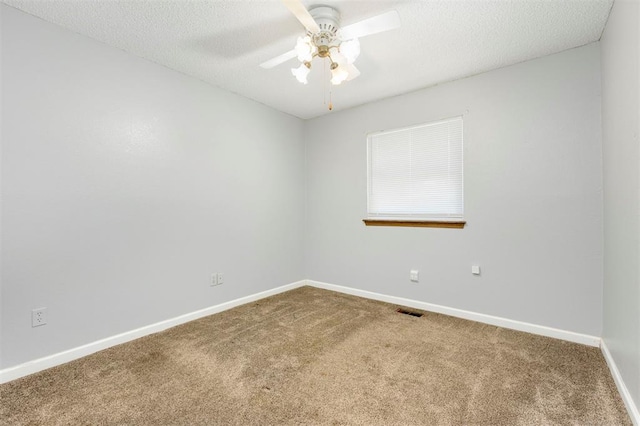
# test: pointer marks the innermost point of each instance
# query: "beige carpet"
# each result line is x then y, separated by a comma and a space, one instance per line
311, 356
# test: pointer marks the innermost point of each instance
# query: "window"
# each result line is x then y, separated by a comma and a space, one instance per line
415, 175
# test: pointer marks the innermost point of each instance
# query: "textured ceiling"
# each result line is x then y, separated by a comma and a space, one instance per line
223, 41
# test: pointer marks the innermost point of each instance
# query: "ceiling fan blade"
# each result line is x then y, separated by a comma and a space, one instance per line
377, 24
279, 59
353, 72
299, 11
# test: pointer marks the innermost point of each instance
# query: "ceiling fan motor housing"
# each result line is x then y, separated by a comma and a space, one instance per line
328, 19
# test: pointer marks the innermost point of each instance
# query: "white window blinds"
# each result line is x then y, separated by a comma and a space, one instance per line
416, 172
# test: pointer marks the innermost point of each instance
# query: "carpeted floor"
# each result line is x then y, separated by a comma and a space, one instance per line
311, 356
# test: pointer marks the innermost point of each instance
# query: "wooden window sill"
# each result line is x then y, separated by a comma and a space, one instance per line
416, 223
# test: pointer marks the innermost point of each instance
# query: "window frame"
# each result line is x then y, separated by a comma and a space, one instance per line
407, 220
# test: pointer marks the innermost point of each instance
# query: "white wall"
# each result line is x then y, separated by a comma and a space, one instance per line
125, 184
620, 126
1, 131
533, 197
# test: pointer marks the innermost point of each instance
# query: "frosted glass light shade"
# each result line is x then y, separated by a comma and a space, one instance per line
339, 74
304, 49
350, 49
301, 73
339, 58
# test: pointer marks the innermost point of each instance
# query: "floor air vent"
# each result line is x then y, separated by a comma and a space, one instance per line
413, 314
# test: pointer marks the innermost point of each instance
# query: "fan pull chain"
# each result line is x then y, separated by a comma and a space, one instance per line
327, 87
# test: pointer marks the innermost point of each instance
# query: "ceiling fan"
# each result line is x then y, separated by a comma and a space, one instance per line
327, 40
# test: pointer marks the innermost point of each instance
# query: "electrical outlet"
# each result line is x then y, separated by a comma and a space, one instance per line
38, 317
220, 278
414, 275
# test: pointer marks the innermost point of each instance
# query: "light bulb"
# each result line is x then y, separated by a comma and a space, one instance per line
302, 72
350, 49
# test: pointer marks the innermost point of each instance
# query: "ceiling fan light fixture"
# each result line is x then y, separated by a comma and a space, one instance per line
302, 72
326, 39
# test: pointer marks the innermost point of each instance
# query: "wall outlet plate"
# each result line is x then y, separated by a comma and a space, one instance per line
220, 278
475, 270
38, 317
414, 275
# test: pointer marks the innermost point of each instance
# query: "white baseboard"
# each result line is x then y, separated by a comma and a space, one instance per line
570, 336
40, 364
632, 409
